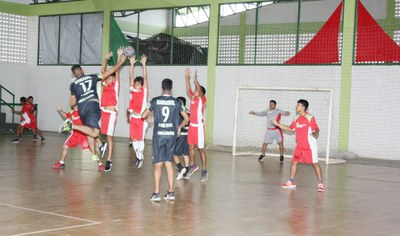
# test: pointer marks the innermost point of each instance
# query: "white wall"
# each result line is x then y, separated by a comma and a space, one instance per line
375, 111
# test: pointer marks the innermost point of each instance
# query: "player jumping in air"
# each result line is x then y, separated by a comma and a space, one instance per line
166, 110
84, 95
137, 104
273, 132
306, 150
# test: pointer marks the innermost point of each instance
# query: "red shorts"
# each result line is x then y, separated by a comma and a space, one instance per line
30, 125
138, 128
196, 135
77, 138
307, 156
108, 122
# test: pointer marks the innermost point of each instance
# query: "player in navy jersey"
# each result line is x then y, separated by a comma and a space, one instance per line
166, 110
182, 146
84, 95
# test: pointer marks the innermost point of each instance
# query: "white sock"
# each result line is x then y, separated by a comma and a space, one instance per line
136, 147
61, 162
141, 149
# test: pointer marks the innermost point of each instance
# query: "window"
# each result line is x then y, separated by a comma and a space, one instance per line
13, 38
70, 39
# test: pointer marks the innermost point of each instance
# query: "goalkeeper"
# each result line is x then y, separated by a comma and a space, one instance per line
273, 132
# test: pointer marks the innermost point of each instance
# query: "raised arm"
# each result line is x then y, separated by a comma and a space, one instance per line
145, 78
262, 113
132, 60
120, 51
187, 79
197, 84
114, 68
105, 61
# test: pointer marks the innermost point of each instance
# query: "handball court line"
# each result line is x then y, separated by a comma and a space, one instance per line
90, 222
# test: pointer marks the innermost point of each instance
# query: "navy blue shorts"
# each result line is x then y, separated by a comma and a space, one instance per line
163, 149
182, 146
90, 114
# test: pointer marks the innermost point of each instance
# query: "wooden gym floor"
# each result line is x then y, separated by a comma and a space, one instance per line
241, 197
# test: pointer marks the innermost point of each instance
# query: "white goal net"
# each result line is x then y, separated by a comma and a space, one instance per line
250, 130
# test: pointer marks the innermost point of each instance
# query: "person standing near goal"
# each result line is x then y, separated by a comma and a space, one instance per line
273, 132
306, 150
197, 128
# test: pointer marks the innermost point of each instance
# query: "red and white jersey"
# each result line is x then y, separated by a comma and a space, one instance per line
110, 94
27, 113
304, 126
75, 118
197, 105
138, 100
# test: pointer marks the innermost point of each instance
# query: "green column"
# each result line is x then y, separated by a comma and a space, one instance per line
242, 36
390, 17
211, 70
106, 32
346, 72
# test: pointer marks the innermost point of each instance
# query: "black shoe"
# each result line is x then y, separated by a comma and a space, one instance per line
281, 158
261, 158
42, 140
108, 166
35, 138
130, 144
16, 140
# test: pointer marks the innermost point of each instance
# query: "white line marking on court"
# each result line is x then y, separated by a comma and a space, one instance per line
49, 213
91, 222
55, 229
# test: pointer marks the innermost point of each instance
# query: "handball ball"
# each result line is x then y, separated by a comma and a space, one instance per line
129, 51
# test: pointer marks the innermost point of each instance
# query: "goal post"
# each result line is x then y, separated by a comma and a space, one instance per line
249, 130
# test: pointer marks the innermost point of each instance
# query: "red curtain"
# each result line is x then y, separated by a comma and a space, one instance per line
373, 44
323, 48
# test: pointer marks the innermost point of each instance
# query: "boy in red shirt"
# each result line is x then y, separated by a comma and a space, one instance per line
306, 151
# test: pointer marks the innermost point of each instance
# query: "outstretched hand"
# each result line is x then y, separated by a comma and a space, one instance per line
187, 73
120, 51
132, 60
109, 55
59, 108
143, 59
195, 75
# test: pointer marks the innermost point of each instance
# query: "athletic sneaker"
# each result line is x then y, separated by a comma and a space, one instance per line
35, 138
204, 175
321, 187
281, 158
108, 166
289, 185
139, 163
130, 144
42, 140
102, 149
261, 158
181, 173
101, 167
58, 165
95, 157
192, 170
170, 196
16, 140
66, 126
155, 197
